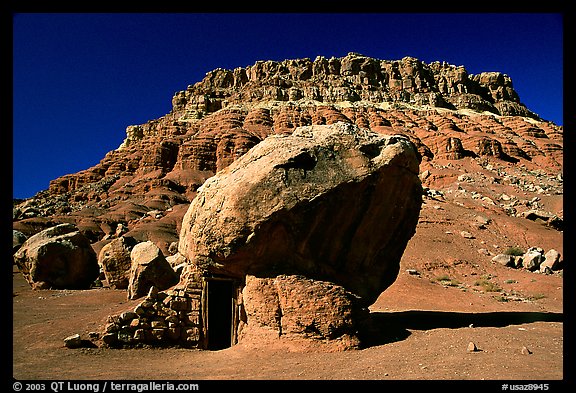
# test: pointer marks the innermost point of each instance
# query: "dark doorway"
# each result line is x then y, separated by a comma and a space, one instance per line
220, 313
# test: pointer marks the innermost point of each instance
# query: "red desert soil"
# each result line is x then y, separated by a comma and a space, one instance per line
426, 330
424, 324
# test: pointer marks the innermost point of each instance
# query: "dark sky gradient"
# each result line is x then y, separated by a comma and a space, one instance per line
80, 79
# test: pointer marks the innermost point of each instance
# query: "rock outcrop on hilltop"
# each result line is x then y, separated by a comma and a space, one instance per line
353, 78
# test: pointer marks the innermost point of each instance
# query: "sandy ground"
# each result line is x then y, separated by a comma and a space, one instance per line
426, 328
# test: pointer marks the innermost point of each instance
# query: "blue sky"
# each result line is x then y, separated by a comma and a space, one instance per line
80, 79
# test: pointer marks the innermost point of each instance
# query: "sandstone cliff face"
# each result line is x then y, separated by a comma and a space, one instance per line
352, 78
446, 112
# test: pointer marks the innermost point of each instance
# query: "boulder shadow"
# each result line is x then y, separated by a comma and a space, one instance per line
387, 327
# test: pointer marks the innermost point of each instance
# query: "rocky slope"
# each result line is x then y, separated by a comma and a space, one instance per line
481, 147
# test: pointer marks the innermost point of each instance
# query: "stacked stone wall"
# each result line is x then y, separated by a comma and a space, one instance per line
169, 318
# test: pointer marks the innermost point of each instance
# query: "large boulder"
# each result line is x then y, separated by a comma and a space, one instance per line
115, 260
60, 257
296, 305
333, 203
149, 268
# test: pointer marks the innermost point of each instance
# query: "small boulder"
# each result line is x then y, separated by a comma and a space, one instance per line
504, 259
525, 351
176, 260
149, 268
18, 238
532, 259
472, 347
115, 260
551, 261
73, 341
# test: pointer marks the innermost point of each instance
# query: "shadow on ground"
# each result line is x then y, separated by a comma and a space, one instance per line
388, 327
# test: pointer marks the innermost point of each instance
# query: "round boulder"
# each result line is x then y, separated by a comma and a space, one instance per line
60, 257
18, 238
149, 268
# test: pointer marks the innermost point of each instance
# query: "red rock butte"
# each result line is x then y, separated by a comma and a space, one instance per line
446, 112
143, 189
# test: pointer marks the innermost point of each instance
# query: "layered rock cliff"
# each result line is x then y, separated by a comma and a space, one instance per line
145, 186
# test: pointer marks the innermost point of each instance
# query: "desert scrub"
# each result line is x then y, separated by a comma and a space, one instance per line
488, 286
501, 298
515, 251
447, 281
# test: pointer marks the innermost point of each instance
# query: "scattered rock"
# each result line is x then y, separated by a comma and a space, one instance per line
518, 261
551, 261
481, 222
173, 248
73, 341
472, 347
121, 229
434, 194
176, 260
484, 251
532, 259
504, 259
93, 335
525, 351
546, 218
